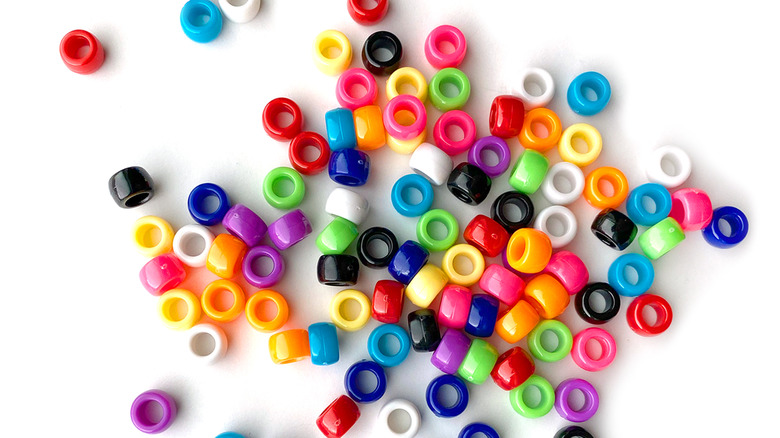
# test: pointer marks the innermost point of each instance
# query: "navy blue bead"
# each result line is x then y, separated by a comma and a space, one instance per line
473, 429
737, 222
349, 167
340, 126
432, 396
408, 261
482, 316
197, 207
353, 388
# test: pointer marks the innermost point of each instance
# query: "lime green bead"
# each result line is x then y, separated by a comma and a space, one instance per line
546, 401
561, 332
271, 191
529, 172
661, 238
424, 236
451, 76
479, 362
337, 236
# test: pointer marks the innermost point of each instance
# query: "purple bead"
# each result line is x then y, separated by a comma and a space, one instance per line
451, 351
289, 229
245, 224
562, 400
162, 274
139, 411
263, 281
493, 144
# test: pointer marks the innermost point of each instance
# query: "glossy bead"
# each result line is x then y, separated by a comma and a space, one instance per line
738, 227
323, 343
369, 127
528, 250
414, 116
502, 284
585, 308
423, 330
565, 217
405, 147
289, 229
337, 270
495, 145
487, 235
679, 160
444, 218
409, 76
440, 409
366, 253
349, 167
355, 78
575, 180
168, 309
343, 321
661, 238
545, 404
407, 261
201, 20
644, 272
447, 122
388, 301
374, 60
336, 237
691, 208
586, 133
377, 349
153, 236
245, 224
658, 195
437, 39
454, 307
212, 303
250, 269
536, 98
579, 87
332, 42
573, 432
385, 424
614, 229
254, 311
281, 200
469, 183
453, 77
512, 368
348, 205
336, 420
477, 430
131, 187
566, 411
240, 12
274, 109
426, 285
473, 255
451, 351
605, 341
367, 16
482, 316
141, 411
547, 295
529, 172
637, 321
296, 153
200, 211
225, 255
569, 270
81, 52
479, 362
207, 343
162, 274
506, 116
563, 344
616, 180
549, 121
340, 127
432, 163
517, 322
500, 210
353, 387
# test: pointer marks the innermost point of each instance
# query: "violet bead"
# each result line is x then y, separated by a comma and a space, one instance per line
289, 229
245, 224
493, 144
250, 273
451, 351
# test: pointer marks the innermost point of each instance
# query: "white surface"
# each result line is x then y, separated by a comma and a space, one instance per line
83, 338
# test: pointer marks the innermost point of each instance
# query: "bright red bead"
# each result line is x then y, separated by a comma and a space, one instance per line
637, 321
506, 116
366, 16
297, 149
338, 417
271, 113
81, 52
487, 235
388, 301
513, 368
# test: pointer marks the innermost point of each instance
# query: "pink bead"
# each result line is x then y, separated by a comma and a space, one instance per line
454, 307
348, 81
580, 355
399, 130
569, 269
692, 208
162, 274
436, 51
502, 284
463, 121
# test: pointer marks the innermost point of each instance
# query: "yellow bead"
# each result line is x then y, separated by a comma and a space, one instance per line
589, 135
407, 76
426, 285
152, 236
168, 308
405, 147
474, 256
337, 308
332, 52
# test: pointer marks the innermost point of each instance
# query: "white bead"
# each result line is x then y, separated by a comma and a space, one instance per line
572, 174
187, 237
565, 216
678, 158
207, 343
347, 204
543, 80
238, 11
432, 163
384, 428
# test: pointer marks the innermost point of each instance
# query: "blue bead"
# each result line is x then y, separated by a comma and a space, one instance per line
616, 276
201, 20
375, 349
230, 435
660, 197
576, 93
473, 429
349, 167
198, 210
407, 261
352, 385
432, 396
323, 343
482, 316
737, 222
340, 126
399, 195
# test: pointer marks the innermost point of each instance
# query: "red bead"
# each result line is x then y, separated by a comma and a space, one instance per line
81, 52
297, 149
486, 235
365, 16
513, 368
637, 321
338, 417
388, 301
506, 116
271, 113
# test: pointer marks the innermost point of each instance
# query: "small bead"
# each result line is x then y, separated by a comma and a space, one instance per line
82, 52
332, 41
573, 432
563, 337
552, 125
376, 43
660, 197
296, 153
584, 360
336, 420
582, 302
614, 229
473, 255
271, 113
577, 97
342, 321
528, 250
162, 274
451, 351
615, 178
349, 167
203, 214
355, 78
506, 116
738, 225
573, 176
369, 127
153, 236
449, 76
289, 346
644, 273
367, 255
529, 172
454, 306
239, 12
376, 348
407, 76
388, 301
337, 270
245, 224
487, 235
423, 330
367, 16
545, 404
131, 187
225, 255
569, 413
478, 429
289, 229
675, 156
495, 145
469, 183
336, 237
499, 210
517, 322
432, 163
592, 139
340, 127
347, 205
323, 343
691, 208
408, 261
479, 362
201, 20
436, 406
353, 387
440, 59
168, 309
426, 285
448, 121
482, 316
636, 319
254, 311
513, 368
547, 295
414, 119
266, 279
502, 284
141, 414
444, 218
569, 269
207, 343
283, 201
399, 196
565, 217
408, 409
536, 98
661, 238
210, 300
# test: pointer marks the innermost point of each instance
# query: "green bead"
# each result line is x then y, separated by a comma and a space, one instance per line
479, 362
443, 217
661, 238
545, 401
561, 332
529, 172
451, 76
337, 236
271, 191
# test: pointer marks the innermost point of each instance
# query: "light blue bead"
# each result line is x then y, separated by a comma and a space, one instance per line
576, 93
616, 276
340, 126
230, 435
375, 349
323, 343
399, 194
636, 209
201, 20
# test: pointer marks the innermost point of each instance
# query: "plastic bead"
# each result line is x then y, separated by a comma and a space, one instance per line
614, 178
487, 235
289, 346
585, 308
447, 122
426, 285
660, 197
349, 167
501, 213
469, 183
473, 255
81, 52
162, 274
351, 79
517, 322
440, 409
399, 195
502, 284
661, 238
207, 343
423, 330
212, 303
637, 321
243, 223
367, 254
277, 107
369, 127
691, 208
574, 185
547, 295
296, 153
568, 269
542, 80
338, 417
388, 301
614, 229
152, 236
373, 58
255, 316
367, 16
377, 349
225, 255
451, 351
230, 435
353, 387
424, 235
323, 344
566, 411
529, 172
332, 52
453, 77
738, 227
141, 411
343, 321
482, 316
168, 309
131, 187
644, 271
580, 355
565, 217
408, 76
250, 270
340, 126
528, 250
432, 163
506, 116
277, 198
478, 430
240, 11
586, 133
551, 124
201, 20
479, 362
336, 237
495, 145
407, 261
338, 270
576, 94
437, 39
410, 410
677, 157
563, 345
289, 229
412, 126
404, 147
546, 400
573, 432
197, 203
513, 368
454, 306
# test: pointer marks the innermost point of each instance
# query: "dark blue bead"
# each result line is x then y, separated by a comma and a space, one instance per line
349, 167
737, 222
473, 429
353, 387
432, 396
482, 316
408, 261
197, 206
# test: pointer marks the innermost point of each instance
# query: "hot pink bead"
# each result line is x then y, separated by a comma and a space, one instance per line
502, 284
435, 47
581, 356
455, 306
162, 274
347, 83
692, 208
463, 121
405, 102
569, 269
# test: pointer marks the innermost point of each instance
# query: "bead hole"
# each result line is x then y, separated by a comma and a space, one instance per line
77, 47
447, 396
405, 117
330, 48
563, 183
556, 226
177, 309
378, 248
237, 2
136, 200
550, 341
631, 275
150, 236
579, 143
266, 310
594, 349
454, 132
350, 309
283, 187
463, 265
589, 93
367, 382
389, 345
208, 204
651, 315
534, 86
199, 16
406, 86
489, 157
151, 413
606, 187
576, 400
540, 129
311, 153
670, 165
383, 50
412, 196
513, 212
222, 300
203, 344
450, 88
193, 245
399, 421
368, 5
649, 204
532, 396
357, 90
725, 228
599, 302
283, 119
262, 266
437, 230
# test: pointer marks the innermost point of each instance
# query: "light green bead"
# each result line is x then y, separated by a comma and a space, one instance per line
546, 400
561, 332
661, 238
336, 236
479, 362
270, 189
529, 172
424, 236
451, 76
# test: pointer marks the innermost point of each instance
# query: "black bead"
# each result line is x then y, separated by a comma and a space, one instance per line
131, 187
424, 330
377, 43
587, 312
337, 270
614, 228
573, 432
522, 201
469, 183
367, 257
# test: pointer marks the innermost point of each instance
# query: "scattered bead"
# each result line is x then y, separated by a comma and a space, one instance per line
289, 229
586, 133
340, 127
396, 405
367, 255
369, 127
546, 400
168, 309
444, 218
617, 275
575, 180
565, 217
296, 153
529, 171
677, 158
323, 343
400, 196
507, 114
343, 321
540, 78
377, 42
440, 409
661, 238
82, 53
738, 227
432, 163
201, 20
660, 197
423, 330
351, 79
289, 346
162, 274
495, 145
450, 76
255, 316
479, 362
584, 360
332, 52
451, 351
426, 285
239, 221
152, 236
214, 309
367, 16
586, 310
338, 417
691, 208
615, 178
614, 229
379, 353
207, 343
407, 261
439, 36
501, 213
250, 270
469, 183
565, 410
454, 119
352, 386
338, 270
349, 167
637, 321
239, 11
580, 102
203, 213
272, 112
131, 187
225, 255
513, 368
141, 411
562, 335
482, 316
388, 301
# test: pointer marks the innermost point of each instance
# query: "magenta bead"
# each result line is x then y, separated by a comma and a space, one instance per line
245, 224
258, 280
451, 351
454, 306
569, 269
562, 400
435, 47
502, 284
691, 208
348, 81
162, 274
405, 102
454, 118
139, 411
493, 144
606, 342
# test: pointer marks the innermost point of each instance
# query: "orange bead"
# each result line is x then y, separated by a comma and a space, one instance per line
613, 177
289, 346
547, 295
369, 127
225, 255
254, 313
528, 250
550, 121
517, 322
210, 300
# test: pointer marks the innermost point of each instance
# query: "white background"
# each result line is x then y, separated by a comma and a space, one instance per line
81, 337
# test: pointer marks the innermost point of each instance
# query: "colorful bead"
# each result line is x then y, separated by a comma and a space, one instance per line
451, 351
677, 157
661, 238
207, 343
131, 187
562, 346
443, 217
445, 35
536, 98
407, 76
569, 269
404, 147
278, 199
212, 303
203, 214
388, 301
426, 285
454, 306
162, 274
470, 253
377, 350
479, 362
738, 227
552, 127
546, 400
615, 178
691, 208
348, 205
152, 236
605, 341
352, 386
579, 87
495, 145
351, 79
81, 52
482, 316
502, 213
469, 183
464, 123
254, 314
423, 330
337, 270
141, 411
249, 266
513, 368
477, 430
586, 310
440, 409
517, 322
506, 116
240, 12
201, 20
487, 235
340, 128
349, 167
271, 113
407, 261
341, 320
332, 42
644, 272
373, 51
547, 295
529, 172
572, 190
528, 250
573, 432
566, 411
369, 127
449, 76
168, 309
586, 133
660, 197
432, 163
231, 434
336, 237
225, 255
289, 346
409, 410
296, 153
565, 217
243, 223
323, 343
338, 417
400, 194
502, 284
614, 229
410, 127
637, 321
367, 16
